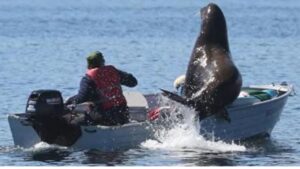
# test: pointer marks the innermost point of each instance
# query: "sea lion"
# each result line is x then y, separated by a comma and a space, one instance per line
212, 81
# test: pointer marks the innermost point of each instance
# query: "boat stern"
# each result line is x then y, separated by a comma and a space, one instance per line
22, 131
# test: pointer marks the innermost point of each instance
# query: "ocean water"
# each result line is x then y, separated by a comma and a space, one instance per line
43, 45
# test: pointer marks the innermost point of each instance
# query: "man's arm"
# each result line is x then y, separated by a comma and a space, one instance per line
86, 92
127, 79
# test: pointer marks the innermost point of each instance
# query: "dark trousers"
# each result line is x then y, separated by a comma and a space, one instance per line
114, 116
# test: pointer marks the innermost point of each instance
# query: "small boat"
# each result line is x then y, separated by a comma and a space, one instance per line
105, 138
254, 113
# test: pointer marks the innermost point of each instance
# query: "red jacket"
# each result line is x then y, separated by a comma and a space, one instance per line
108, 84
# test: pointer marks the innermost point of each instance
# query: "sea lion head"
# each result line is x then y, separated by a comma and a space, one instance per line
213, 27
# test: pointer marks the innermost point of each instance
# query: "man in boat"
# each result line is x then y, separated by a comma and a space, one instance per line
102, 86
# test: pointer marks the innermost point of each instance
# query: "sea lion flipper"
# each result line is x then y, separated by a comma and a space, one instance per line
174, 97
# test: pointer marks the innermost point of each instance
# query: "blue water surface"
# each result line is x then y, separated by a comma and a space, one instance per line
43, 45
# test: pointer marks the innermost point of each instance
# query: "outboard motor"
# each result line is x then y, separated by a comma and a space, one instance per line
45, 103
46, 112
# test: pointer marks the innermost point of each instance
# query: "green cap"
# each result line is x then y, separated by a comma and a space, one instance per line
95, 59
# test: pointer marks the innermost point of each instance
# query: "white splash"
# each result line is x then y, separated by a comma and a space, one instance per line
43, 147
215, 66
207, 82
210, 77
202, 60
183, 134
185, 138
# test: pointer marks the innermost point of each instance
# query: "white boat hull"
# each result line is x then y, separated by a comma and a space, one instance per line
113, 138
99, 137
250, 121
22, 132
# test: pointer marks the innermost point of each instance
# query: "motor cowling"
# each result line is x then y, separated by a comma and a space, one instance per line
43, 103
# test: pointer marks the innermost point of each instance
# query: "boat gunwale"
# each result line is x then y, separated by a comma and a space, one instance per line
286, 89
